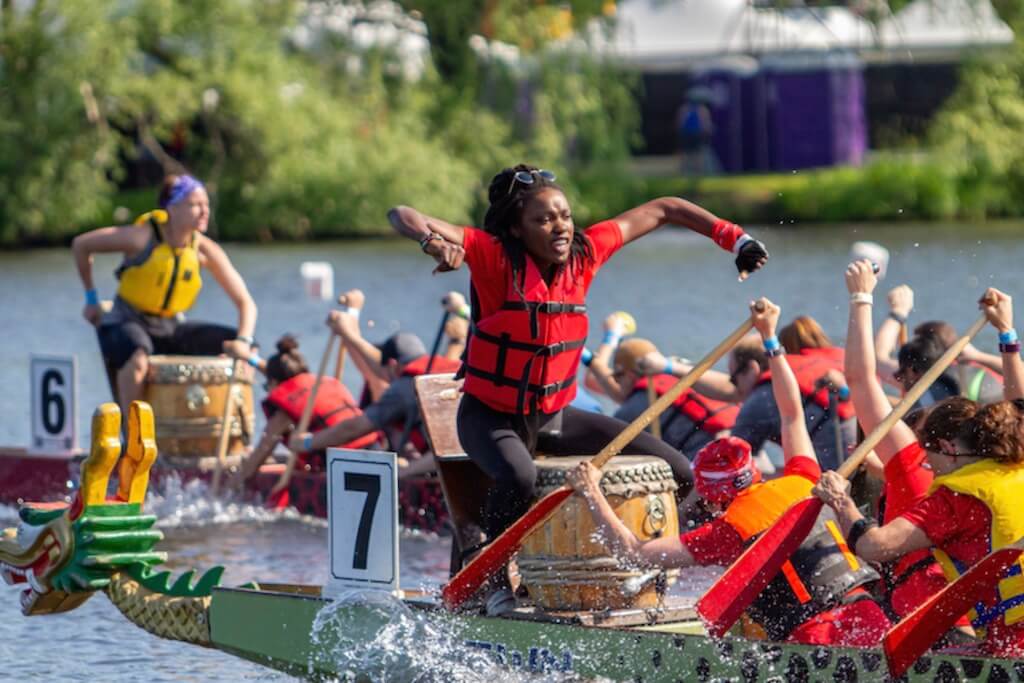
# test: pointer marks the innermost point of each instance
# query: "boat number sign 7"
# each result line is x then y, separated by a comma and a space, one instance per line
54, 382
362, 489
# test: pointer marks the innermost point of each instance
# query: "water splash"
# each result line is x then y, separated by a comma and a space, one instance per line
191, 503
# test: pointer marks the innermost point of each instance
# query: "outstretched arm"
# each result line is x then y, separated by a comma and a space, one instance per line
637, 222
600, 365
440, 239
998, 308
795, 439
668, 551
869, 400
125, 238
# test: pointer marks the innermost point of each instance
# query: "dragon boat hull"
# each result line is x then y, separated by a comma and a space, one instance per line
48, 477
274, 626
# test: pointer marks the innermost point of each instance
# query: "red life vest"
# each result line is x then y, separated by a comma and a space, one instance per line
439, 366
705, 413
333, 404
809, 366
524, 356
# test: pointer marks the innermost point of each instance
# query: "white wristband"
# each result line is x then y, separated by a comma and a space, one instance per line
744, 238
862, 298
354, 312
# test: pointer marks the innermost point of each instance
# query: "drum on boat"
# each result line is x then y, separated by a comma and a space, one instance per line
188, 394
565, 567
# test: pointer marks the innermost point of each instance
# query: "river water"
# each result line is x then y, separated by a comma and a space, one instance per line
681, 289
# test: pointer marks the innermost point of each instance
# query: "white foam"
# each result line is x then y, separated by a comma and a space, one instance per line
192, 504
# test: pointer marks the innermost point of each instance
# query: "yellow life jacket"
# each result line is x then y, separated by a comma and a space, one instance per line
999, 487
160, 280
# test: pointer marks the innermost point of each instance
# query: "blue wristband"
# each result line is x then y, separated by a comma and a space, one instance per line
611, 338
307, 442
92, 297
844, 393
587, 356
1008, 337
771, 344
255, 360
669, 367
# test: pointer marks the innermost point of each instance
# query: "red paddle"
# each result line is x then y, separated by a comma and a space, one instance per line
911, 638
751, 573
497, 554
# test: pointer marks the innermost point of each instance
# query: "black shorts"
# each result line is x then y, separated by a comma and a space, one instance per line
118, 341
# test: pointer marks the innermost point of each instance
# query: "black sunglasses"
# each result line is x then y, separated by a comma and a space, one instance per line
526, 177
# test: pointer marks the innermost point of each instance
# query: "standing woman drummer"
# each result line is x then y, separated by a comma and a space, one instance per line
164, 251
530, 270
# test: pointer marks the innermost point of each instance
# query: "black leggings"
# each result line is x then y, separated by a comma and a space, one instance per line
502, 445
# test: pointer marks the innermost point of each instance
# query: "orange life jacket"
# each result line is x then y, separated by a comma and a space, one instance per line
333, 404
809, 366
819, 574
523, 357
707, 414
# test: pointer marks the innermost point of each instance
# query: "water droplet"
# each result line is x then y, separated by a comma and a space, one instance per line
917, 244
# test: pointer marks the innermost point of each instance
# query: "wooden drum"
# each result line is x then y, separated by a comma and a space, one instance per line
565, 568
187, 394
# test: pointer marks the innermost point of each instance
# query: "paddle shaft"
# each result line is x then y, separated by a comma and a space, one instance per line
849, 467
652, 396
225, 427
493, 557
307, 410
339, 367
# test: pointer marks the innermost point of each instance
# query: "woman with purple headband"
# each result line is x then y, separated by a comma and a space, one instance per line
159, 279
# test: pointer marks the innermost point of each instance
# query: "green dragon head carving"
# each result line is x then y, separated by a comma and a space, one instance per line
62, 553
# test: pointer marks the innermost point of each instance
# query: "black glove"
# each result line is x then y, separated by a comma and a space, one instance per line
752, 256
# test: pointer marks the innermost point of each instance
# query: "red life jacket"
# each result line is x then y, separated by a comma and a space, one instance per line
439, 366
524, 356
333, 404
809, 366
705, 413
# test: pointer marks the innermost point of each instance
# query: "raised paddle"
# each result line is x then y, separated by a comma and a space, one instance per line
307, 415
225, 427
744, 580
497, 554
908, 640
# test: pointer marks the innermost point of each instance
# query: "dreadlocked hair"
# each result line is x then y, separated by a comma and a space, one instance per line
507, 197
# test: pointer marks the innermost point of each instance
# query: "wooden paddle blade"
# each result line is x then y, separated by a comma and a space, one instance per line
908, 640
751, 573
496, 555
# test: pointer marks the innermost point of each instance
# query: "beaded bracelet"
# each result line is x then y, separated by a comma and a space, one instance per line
428, 238
901, 319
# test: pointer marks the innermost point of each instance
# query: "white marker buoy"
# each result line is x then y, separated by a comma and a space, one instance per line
874, 252
318, 279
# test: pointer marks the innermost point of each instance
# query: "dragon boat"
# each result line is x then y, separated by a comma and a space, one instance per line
63, 554
188, 395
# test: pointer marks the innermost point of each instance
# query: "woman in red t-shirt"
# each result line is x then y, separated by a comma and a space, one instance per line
530, 269
973, 505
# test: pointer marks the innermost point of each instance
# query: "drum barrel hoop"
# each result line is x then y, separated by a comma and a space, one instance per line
632, 482
584, 578
554, 563
206, 374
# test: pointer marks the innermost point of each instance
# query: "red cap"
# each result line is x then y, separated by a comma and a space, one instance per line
723, 468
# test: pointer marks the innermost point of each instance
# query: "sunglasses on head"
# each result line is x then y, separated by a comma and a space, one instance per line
526, 177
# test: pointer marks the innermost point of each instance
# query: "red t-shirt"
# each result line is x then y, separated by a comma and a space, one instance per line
961, 525
718, 543
906, 481
488, 265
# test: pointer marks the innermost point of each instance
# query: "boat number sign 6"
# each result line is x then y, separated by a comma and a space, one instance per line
362, 490
54, 382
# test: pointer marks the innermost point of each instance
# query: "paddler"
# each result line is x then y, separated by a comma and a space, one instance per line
530, 270
693, 421
973, 505
389, 369
159, 280
819, 597
289, 382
